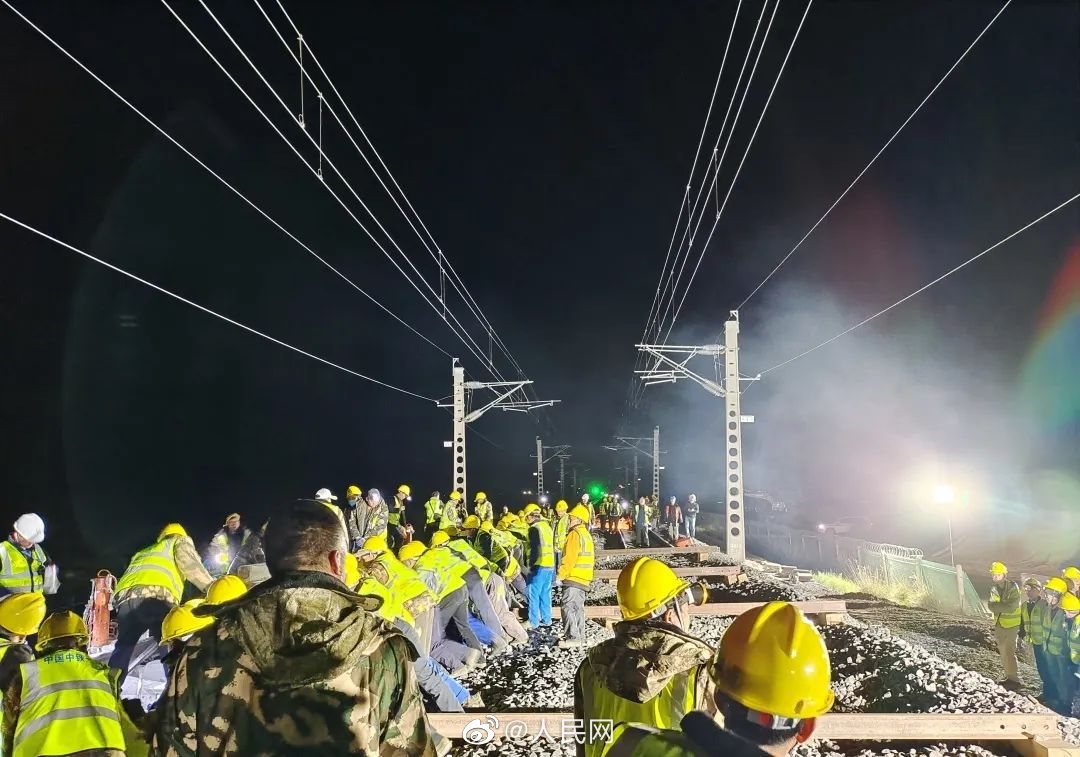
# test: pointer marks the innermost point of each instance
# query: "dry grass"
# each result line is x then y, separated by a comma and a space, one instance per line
910, 593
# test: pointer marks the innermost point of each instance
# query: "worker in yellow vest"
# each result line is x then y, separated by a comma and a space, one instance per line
1005, 603
66, 703
20, 616
226, 545
1034, 617
764, 646
653, 671
1069, 663
541, 559
576, 574
152, 585
474, 583
398, 520
443, 572
561, 529
453, 511
482, 508
24, 566
1071, 575
433, 512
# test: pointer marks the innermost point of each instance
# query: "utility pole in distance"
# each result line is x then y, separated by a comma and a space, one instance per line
557, 451
668, 370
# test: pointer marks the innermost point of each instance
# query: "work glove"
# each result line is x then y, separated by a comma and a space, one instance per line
51, 578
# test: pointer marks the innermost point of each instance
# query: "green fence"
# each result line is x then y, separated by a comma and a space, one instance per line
947, 588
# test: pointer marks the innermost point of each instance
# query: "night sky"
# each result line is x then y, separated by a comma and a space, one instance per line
546, 146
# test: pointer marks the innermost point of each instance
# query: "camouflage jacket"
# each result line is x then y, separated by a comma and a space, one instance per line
298, 665
191, 568
644, 655
363, 521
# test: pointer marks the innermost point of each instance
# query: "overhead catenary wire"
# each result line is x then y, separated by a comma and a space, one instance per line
462, 335
437, 254
877, 155
923, 288
254, 206
738, 170
205, 309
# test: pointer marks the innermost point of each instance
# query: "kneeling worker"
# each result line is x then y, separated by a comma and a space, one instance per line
653, 671
771, 678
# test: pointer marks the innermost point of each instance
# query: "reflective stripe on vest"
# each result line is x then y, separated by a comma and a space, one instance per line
155, 566
434, 510
69, 704
665, 710
403, 581
392, 609
1035, 615
1009, 618
546, 559
1074, 639
19, 574
488, 546
582, 571
464, 550
447, 569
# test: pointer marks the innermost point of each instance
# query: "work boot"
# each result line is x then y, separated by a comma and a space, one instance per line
527, 625
571, 644
474, 702
459, 672
499, 646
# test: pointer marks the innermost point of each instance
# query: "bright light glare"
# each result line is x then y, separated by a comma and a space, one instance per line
543, 500
944, 494
820, 526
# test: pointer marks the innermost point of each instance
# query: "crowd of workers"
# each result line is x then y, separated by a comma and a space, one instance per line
1045, 615
349, 641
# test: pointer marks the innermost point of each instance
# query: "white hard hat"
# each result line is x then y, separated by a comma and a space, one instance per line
31, 527
325, 494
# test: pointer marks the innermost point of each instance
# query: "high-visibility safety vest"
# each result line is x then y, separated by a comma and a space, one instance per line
665, 710
546, 558
1074, 639
155, 566
490, 547
484, 511
1036, 616
582, 572
1009, 618
403, 582
451, 514
19, 574
70, 704
447, 568
392, 608
1057, 634
433, 509
562, 528
395, 509
465, 551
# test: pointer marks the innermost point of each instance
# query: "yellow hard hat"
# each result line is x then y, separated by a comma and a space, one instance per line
231, 516
998, 569
439, 537
405, 489
225, 589
455, 495
22, 613
479, 496
1033, 583
560, 506
471, 522
451, 531
181, 621
61, 625
503, 524
353, 491
172, 529
772, 660
645, 586
487, 527
1069, 602
352, 569
411, 551
531, 508
1072, 573
580, 512
376, 544
1057, 584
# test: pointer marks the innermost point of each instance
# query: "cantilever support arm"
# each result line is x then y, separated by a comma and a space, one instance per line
514, 386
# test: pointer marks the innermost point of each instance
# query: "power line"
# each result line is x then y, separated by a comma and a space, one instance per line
463, 335
877, 155
438, 254
738, 170
205, 309
153, 124
924, 287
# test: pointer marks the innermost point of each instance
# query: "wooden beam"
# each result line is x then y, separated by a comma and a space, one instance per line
1035, 734
727, 609
694, 571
